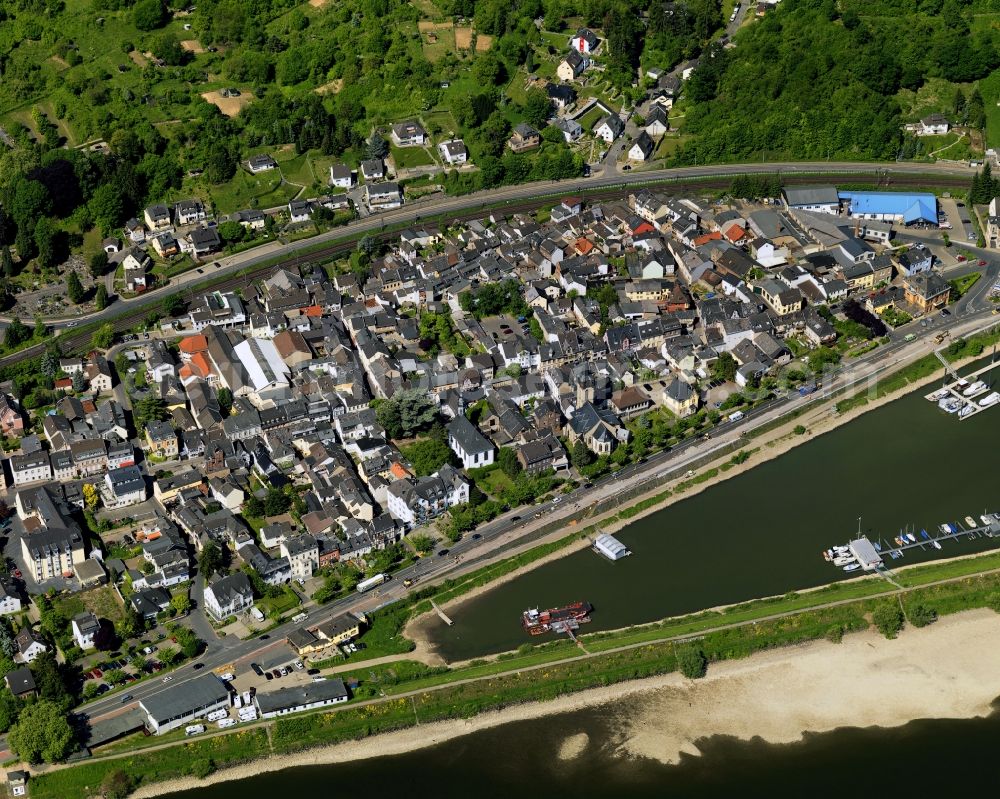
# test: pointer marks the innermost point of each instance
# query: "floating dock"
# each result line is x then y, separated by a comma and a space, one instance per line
610, 547
863, 554
966, 396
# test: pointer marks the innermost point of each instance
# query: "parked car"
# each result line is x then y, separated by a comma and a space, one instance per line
257, 669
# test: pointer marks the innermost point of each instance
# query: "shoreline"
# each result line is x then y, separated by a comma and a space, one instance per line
924, 674
777, 442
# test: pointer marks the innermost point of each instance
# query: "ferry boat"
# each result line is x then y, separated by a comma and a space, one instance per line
557, 620
970, 521
990, 399
975, 388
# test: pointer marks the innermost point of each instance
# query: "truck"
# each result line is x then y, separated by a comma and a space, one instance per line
299, 617
909, 336
735, 416
372, 582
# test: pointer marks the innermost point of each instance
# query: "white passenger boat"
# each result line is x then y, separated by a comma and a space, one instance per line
975, 388
990, 399
852, 567
911, 537
937, 544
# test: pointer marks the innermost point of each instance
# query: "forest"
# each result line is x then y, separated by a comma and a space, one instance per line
818, 79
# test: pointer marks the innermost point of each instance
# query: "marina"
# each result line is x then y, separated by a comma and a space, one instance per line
965, 396
863, 554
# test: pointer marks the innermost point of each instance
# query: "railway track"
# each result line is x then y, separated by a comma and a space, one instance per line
127, 320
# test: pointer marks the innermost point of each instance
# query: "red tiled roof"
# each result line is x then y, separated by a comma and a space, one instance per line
193, 344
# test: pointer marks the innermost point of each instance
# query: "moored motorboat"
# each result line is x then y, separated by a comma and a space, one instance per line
975, 388
970, 521
936, 544
911, 538
990, 399
986, 519
852, 567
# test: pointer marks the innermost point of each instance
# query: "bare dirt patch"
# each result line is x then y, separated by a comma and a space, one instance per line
192, 46
58, 62
426, 25
317, 3
138, 58
230, 106
332, 87
483, 42
463, 38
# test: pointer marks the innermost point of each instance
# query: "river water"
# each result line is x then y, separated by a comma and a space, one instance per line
755, 535
923, 758
762, 533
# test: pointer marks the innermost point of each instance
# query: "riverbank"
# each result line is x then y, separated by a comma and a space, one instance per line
821, 418
863, 681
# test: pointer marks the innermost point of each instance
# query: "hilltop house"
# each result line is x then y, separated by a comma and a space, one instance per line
571, 66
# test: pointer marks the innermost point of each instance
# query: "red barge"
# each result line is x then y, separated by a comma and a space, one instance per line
556, 620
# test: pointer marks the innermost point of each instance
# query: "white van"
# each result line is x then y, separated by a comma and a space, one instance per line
255, 612
299, 617
735, 417
194, 729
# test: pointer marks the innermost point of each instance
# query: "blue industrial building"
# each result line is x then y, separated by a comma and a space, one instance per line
890, 206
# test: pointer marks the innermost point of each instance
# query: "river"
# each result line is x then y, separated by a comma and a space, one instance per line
923, 758
762, 533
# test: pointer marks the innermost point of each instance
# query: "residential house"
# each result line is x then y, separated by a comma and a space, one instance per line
524, 137
933, 125
414, 501
454, 152
157, 217
187, 212
161, 439
571, 129
927, 291
383, 196
228, 596
21, 682
584, 41
571, 66
657, 122
341, 176
11, 420
372, 169
261, 163
408, 134
86, 629
610, 128
123, 487
299, 211
302, 552
136, 265
29, 645
642, 147
561, 95
542, 454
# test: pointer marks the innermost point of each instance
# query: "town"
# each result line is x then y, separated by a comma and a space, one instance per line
278, 447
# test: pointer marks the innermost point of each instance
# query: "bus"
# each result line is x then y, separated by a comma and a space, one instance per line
372, 582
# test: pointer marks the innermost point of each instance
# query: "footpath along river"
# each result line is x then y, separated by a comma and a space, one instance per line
762, 533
